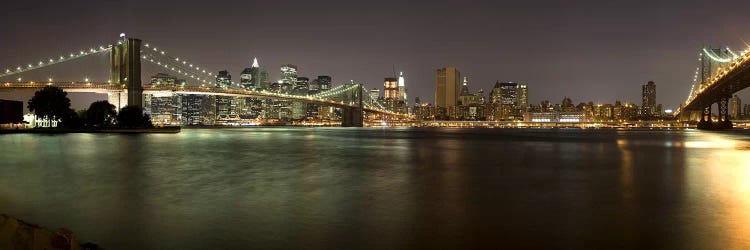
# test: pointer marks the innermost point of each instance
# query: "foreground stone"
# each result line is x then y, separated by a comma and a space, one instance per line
18, 234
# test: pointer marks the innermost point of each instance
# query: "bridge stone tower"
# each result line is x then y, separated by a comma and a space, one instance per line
125, 69
351, 116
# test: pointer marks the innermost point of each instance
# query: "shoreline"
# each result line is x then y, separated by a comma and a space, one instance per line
162, 130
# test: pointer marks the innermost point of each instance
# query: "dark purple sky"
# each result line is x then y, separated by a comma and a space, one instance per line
588, 50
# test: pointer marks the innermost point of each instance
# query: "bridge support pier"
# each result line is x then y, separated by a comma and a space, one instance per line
724, 122
352, 117
705, 122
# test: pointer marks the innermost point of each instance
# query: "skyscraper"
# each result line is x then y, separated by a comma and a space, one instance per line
288, 78
246, 78
509, 94
447, 84
735, 107
523, 96
390, 88
301, 86
648, 108
374, 94
402, 87
224, 104
324, 82
465, 87
223, 79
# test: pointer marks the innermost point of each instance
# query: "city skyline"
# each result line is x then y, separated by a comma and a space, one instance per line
555, 61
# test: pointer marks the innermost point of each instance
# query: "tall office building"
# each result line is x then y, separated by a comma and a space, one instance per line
250, 77
246, 79
223, 79
464, 87
374, 94
509, 94
523, 96
288, 78
735, 107
191, 109
402, 87
648, 95
447, 84
390, 88
301, 86
224, 104
324, 82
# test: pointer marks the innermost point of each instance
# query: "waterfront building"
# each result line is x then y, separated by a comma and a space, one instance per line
648, 96
746, 111
509, 100
424, 111
225, 105
735, 106
33, 121
522, 94
555, 117
191, 109
447, 85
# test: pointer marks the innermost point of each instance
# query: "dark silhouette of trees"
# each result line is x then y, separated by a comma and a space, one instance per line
71, 120
133, 117
50, 103
100, 114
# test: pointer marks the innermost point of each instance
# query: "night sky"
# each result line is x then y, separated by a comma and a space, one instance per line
594, 50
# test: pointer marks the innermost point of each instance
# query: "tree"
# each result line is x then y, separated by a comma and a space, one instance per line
71, 120
133, 117
100, 114
50, 103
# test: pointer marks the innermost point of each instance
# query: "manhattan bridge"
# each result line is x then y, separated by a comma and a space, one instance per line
124, 86
721, 73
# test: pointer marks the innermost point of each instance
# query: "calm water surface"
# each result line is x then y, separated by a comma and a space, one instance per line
336, 188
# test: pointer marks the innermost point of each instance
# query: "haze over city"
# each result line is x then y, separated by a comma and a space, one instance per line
586, 50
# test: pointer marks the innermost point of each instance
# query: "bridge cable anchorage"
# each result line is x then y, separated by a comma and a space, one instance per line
55, 60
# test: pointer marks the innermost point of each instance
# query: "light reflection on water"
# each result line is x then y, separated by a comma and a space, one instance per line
385, 188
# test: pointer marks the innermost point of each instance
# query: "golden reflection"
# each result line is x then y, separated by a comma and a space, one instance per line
720, 187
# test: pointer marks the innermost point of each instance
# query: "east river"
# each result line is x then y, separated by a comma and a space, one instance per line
373, 188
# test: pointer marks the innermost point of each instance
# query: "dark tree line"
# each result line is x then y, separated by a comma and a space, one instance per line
53, 103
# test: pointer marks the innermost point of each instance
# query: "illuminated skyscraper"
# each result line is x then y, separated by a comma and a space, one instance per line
324, 82
223, 79
447, 84
224, 104
374, 94
523, 96
735, 107
649, 99
402, 87
288, 78
390, 88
